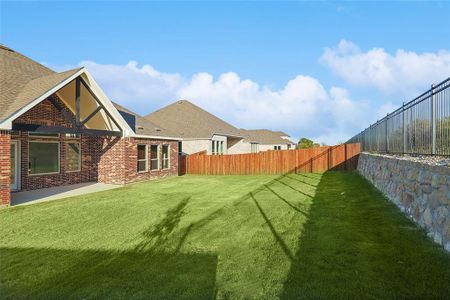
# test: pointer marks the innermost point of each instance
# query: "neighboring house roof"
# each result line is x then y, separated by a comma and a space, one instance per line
265, 137
144, 126
190, 121
282, 133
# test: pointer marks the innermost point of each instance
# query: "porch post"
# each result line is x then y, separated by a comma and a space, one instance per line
77, 101
5, 168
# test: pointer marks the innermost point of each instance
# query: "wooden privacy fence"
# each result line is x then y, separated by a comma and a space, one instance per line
320, 159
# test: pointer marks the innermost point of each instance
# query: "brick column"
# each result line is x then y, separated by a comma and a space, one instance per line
5, 168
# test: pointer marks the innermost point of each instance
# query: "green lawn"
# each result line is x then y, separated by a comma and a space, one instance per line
306, 236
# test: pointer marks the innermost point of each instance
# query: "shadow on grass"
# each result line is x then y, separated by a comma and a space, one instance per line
148, 272
358, 245
98, 274
279, 240
156, 236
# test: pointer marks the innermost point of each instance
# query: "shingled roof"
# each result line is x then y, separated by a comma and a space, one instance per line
190, 121
23, 80
144, 126
265, 137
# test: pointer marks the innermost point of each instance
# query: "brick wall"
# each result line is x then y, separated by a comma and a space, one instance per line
131, 160
5, 168
32, 182
104, 159
45, 113
117, 160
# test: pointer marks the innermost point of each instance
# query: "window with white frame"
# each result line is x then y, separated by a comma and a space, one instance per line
43, 157
73, 157
154, 160
142, 161
276, 147
254, 147
165, 156
217, 147
213, 148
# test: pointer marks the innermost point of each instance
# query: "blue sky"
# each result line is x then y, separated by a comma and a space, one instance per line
237, 59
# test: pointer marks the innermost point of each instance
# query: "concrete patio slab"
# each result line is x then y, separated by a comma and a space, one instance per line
54, 193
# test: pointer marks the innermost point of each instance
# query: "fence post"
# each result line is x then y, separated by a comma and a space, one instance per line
433, 121
386, 132
345, 157
404, 128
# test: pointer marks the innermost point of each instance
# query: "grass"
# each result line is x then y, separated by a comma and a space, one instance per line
306, 236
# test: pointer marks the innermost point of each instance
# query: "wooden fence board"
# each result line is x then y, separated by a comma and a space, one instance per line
320, 159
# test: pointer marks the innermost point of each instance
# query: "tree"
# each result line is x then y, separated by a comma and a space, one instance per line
305, 143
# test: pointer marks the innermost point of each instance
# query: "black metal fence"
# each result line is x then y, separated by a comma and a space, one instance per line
421, 126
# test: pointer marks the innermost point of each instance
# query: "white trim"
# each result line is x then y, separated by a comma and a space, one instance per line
59, 157
127, 130
154, 137
168, 157
157, 158
210, 138
17, 175
227, 135
146, 158
79, 158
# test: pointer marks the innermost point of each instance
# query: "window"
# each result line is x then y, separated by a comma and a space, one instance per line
73, 135
154, 157
43, 158
73, 157
180, 148
217, 147
142, 164
213, 148
43, 134
276, 147
254, 147
289, 146
165, 158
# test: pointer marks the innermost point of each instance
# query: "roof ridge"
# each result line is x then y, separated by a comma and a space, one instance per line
4, 47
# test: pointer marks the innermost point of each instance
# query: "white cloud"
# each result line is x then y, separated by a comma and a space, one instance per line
386, 108
404, 73
135, 86
303, 107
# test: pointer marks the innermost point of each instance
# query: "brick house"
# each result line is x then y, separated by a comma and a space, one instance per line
61, 129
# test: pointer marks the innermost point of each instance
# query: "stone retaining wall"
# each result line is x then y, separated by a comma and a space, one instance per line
420, 190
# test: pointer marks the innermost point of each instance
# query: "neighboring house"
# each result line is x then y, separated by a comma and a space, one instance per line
60, 129
198, 129
263, 140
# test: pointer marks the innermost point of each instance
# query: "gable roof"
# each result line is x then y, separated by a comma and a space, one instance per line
25, 83
190, 121
265, 137
144, 126
22, 80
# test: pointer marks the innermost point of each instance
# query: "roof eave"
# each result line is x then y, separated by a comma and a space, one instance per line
155, 137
